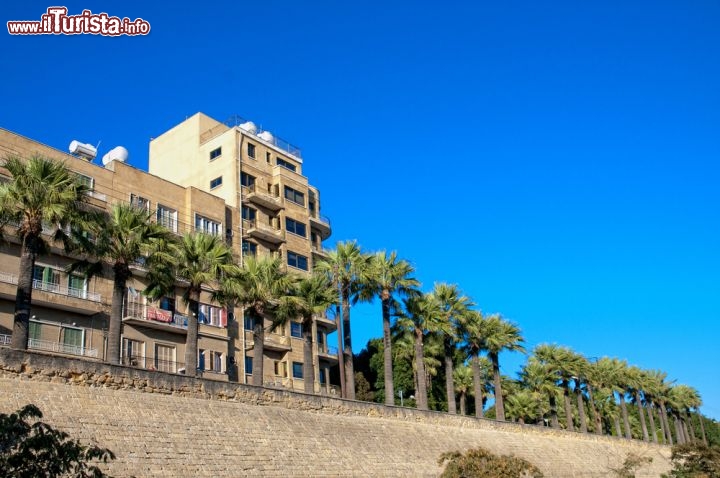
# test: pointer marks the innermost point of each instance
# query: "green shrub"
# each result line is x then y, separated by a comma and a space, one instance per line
480, 463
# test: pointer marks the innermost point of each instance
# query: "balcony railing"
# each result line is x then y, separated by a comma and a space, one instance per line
149, 363
53, 288
58, 347
140, 311
5, 339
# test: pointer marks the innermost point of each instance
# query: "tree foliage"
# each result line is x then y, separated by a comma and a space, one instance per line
480, 463
695, 461
30, 448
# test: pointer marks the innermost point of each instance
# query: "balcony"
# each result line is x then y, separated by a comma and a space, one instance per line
263, 232
55, 347
136, 313
319, 251
261, 198
150, 363
325, 322
327, 352
320, 224
277, 342
54, 296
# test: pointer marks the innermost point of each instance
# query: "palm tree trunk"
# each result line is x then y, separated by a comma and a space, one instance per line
116, 312
449, 383
462, 403
618, 430
477, 384
678, 430
258, 347
191, 341
308, 368
702, 426
581, 409
421, 392
499, 405
23, 296
664, 417
341, 354
653, 430
553, 411
641, 412
596, 415
387, 352
347, 342
568, 406
626, 420
662, 425
685, 418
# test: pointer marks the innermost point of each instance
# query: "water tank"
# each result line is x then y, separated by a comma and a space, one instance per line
86, 151
249, 126
267, 136
118, 153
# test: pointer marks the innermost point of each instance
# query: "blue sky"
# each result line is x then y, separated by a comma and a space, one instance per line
557, 160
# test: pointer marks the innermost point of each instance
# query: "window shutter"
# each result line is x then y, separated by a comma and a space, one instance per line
223, 317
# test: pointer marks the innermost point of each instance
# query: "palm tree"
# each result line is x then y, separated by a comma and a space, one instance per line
473, 345
522, 406
463, 380
453, 307
124, 237
661, 396
567, 366
316, 294
615, 373
540, 380
388, 276
200, 260
635, 387
500, 335
42, 193
348, 268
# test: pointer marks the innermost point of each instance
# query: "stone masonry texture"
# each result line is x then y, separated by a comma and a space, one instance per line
175, 426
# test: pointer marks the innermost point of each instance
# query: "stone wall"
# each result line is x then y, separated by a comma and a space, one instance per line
171, 425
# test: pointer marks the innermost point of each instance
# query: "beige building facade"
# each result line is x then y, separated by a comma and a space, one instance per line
70, 314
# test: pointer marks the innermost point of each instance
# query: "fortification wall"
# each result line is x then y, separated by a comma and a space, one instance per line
170, 425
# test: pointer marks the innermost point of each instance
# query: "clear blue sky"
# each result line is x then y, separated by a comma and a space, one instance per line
558, 160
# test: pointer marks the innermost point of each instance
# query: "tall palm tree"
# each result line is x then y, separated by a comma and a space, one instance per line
616, 379
473, 345
463, 380
388, 276
661, 396
200, 260
453, 307
42, 193
567, 366
500, 335
540, 380
635, 387
123, 237
523, 406
266, 291
348, 268
316, 294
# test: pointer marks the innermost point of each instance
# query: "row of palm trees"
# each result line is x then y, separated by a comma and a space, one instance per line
44, 193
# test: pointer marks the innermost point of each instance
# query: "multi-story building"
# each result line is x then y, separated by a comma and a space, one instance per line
70, 314
260, 175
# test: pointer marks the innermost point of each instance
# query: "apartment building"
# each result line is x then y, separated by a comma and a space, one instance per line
261, 176
70, 314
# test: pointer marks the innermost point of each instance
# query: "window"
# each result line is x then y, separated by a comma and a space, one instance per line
295, 227
322, 376
216, 182
167, 217
35, 332
212, 315
251, 150
206, 225
296, 329
280, 369
296, 260
86, 181
248, 365
216, 362
249, 248
215, 153
133, 353
167, 303
165, 358
247, 180
311, 206
297, 370
286, 164
249, 322
72, 339
248, 213
267, 157
46, 278
77, 286
295, 196
140, 202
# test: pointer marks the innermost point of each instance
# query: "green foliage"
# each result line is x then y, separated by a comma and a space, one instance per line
695, 461
480, 463
31, 449
630, 466
363, 391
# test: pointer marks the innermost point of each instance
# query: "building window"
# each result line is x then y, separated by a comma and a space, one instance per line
140, 202
73, 340
248, 365
311, 206
295, 196
215, 153
46, 278
206, 225
286, 164
295, 227
297, 260
34, 331
280, 369
133, 353
210, 360
77, 286
216, 182
167, 217
86, 181
247, 180
249, 213
297, 370
249, 322
251, 150
322, 376
249, 248
267, 157
212, 315
296, 329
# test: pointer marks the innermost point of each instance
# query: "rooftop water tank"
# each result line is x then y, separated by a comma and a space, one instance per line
249, 126
118, 153
267, 136
85, 151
